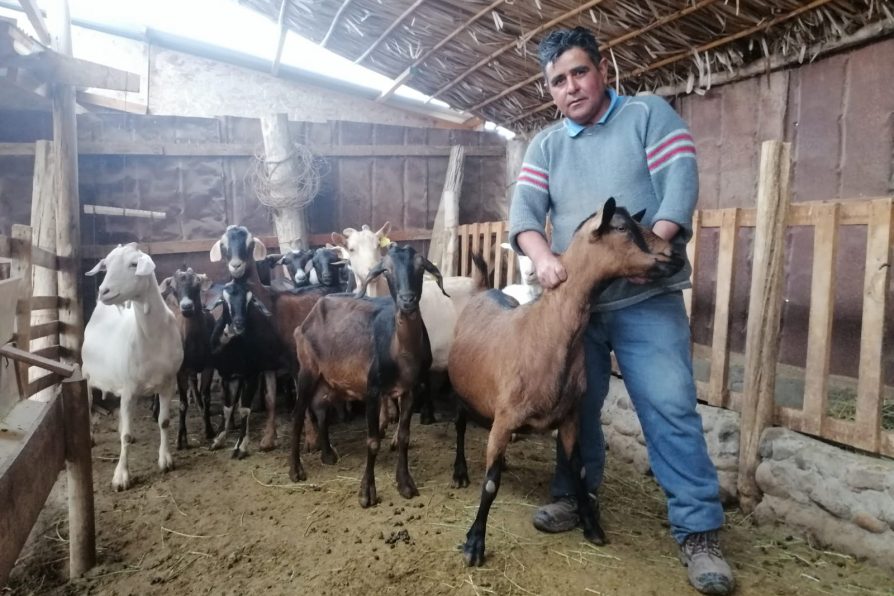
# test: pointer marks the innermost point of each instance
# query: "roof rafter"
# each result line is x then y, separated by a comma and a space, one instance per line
388, 31
525, 38
702, 48
618, 40
335, 19
282, 37
35, 16
410, 70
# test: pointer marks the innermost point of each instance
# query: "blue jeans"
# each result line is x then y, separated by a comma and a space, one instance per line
651, 342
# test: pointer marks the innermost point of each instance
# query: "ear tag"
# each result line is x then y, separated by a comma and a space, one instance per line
384, 241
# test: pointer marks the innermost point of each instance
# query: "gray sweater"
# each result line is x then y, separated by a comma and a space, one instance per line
641, 153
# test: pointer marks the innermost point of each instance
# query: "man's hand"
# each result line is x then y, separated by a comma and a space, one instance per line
550, 270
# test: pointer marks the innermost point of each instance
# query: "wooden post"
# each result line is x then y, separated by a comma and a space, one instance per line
290, 221
79, 468
442, 250
718, 394
515, 157
764, 310
68, 220
21, 267
43, 235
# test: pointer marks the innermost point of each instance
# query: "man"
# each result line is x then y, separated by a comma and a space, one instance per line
639, 151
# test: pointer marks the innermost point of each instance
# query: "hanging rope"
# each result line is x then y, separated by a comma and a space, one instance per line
297, 189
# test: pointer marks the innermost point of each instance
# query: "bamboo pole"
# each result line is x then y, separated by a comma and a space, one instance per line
764, 310
79, 468
291, 222
68, 226
400, 19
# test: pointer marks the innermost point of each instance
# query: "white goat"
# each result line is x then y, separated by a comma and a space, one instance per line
529, 289
132, 346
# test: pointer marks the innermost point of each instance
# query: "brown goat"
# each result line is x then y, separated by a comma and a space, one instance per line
370, 349
523, 366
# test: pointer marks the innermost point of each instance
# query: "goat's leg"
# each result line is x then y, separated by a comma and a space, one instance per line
305, 385
205, 396
182, 390
268, 441
121, 478
586, 508
228, 410
311, 434
405, 484
321, 410
426, 397
155, 407
246, 394
165, 461
460, 469
473, 550
368, 497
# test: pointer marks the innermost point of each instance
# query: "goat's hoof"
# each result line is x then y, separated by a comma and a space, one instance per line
165, 462
268, 442
595, 535
121, 480
407, 489
297, 475
239, 454
311, 446
368, 497
182, 444
473, 551
460, 480
210, 434
330, 458
218, 441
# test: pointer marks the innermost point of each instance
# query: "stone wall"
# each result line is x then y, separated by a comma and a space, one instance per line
842, 499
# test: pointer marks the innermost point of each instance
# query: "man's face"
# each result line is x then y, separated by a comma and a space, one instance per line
578, 86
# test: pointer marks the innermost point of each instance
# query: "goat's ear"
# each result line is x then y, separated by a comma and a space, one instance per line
383, 231
373, 273
215, 255
259, 252
166, 286
349, 231
605, 218
430, 267
638, 216
145, 265
308, 266
204, 282
101, 266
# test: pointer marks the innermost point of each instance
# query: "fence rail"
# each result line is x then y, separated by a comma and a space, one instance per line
826, 218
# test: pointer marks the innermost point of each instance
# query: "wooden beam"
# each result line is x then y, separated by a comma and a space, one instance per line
19, 355
122, 212
388, 31
245, 150
764, 313
21, 267
111, 103
606, 46
79, 472
408, 73
28, 471
35, 17
726, 275
281, 41
335, 19
871, 380
53, 67
524, 115
515, 42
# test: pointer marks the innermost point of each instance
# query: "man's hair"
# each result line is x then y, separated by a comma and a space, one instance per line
559, 41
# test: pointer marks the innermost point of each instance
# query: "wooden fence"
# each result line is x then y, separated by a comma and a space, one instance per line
827, 219
42, 437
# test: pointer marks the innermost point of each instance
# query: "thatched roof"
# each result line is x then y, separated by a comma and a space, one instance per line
481, 55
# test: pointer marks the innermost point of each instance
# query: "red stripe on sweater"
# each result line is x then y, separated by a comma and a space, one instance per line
533, 172
534, 181
669, 154
670, 141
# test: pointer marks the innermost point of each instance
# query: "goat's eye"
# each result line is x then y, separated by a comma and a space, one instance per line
621, 228
133, 265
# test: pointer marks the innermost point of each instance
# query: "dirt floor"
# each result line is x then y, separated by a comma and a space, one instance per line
220, 526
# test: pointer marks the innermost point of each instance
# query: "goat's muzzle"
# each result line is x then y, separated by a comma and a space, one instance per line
236, 269
407, 302
106, 296
187, 308
667, 264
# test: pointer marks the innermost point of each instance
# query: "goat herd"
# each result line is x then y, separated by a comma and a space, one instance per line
510, 365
